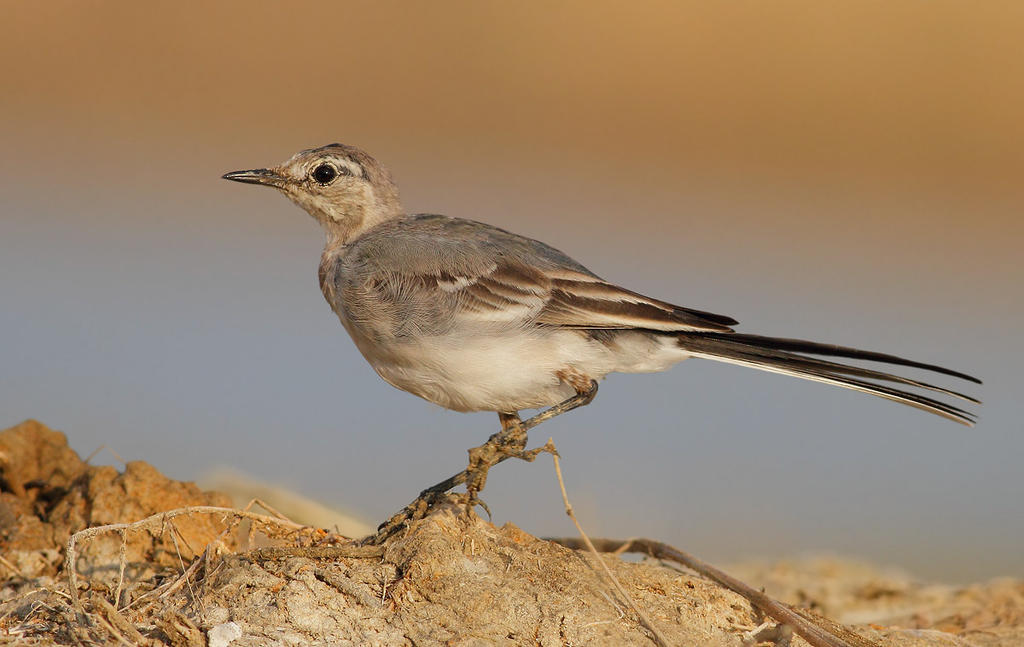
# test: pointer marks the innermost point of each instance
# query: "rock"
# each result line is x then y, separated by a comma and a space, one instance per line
222, 635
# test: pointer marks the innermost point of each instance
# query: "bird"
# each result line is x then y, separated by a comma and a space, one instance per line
472, 317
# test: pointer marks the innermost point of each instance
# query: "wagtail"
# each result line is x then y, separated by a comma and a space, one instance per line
476, 318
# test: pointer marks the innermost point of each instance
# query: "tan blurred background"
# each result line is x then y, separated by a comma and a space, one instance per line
849, 172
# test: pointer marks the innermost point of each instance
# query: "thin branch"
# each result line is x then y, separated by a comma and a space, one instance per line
119, 621
150, 523
266, 506
122, 561
12, 567
175, 533
806, 625
166, 589
658, 637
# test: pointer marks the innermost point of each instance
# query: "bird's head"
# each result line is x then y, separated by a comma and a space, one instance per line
345, 189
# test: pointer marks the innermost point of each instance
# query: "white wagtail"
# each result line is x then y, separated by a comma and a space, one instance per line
475, 318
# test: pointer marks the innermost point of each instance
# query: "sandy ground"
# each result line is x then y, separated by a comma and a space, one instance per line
205, 576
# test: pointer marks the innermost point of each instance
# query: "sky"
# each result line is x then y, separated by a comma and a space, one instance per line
843, 172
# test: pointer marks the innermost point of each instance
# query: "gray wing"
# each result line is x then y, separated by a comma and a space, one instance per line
434, 272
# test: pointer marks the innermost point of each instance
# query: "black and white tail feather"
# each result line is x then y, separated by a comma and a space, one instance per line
781, 355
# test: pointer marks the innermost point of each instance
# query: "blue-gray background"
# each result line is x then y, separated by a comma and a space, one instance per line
849, 174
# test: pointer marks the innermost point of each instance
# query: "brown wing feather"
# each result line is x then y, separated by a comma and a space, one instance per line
597, 304
510, 291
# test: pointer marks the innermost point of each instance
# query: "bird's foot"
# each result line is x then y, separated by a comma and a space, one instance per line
483, 458
510, 442
418, 509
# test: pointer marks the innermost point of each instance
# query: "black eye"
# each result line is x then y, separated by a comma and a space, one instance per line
324, 174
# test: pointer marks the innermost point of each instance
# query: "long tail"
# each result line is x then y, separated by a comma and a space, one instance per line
780, 355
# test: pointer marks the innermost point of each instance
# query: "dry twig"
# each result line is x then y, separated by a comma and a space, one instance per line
658, 637
817, 631
12, 567
151, 523
164, 590
119, 621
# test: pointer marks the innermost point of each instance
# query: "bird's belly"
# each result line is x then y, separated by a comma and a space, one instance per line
488, 373
512, 370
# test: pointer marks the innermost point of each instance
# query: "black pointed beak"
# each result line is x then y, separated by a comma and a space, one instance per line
263, 176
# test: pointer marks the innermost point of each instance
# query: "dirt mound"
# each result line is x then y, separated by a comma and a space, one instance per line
456, 582
47, 493
179, 578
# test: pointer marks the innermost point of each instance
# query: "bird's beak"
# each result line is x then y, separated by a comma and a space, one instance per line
263, 176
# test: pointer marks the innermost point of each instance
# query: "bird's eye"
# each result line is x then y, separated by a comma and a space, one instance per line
324, 174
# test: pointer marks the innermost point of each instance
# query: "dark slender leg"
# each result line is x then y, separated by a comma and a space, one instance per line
510, 442
581, 399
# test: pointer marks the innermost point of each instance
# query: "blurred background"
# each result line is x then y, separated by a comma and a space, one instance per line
845, 172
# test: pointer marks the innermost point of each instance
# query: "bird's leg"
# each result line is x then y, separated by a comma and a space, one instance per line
507, 443
584, 396
510, 442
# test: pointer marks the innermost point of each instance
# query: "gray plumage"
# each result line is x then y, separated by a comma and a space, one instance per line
473, 317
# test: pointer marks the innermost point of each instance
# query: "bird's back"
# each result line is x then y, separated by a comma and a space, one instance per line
429, 243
